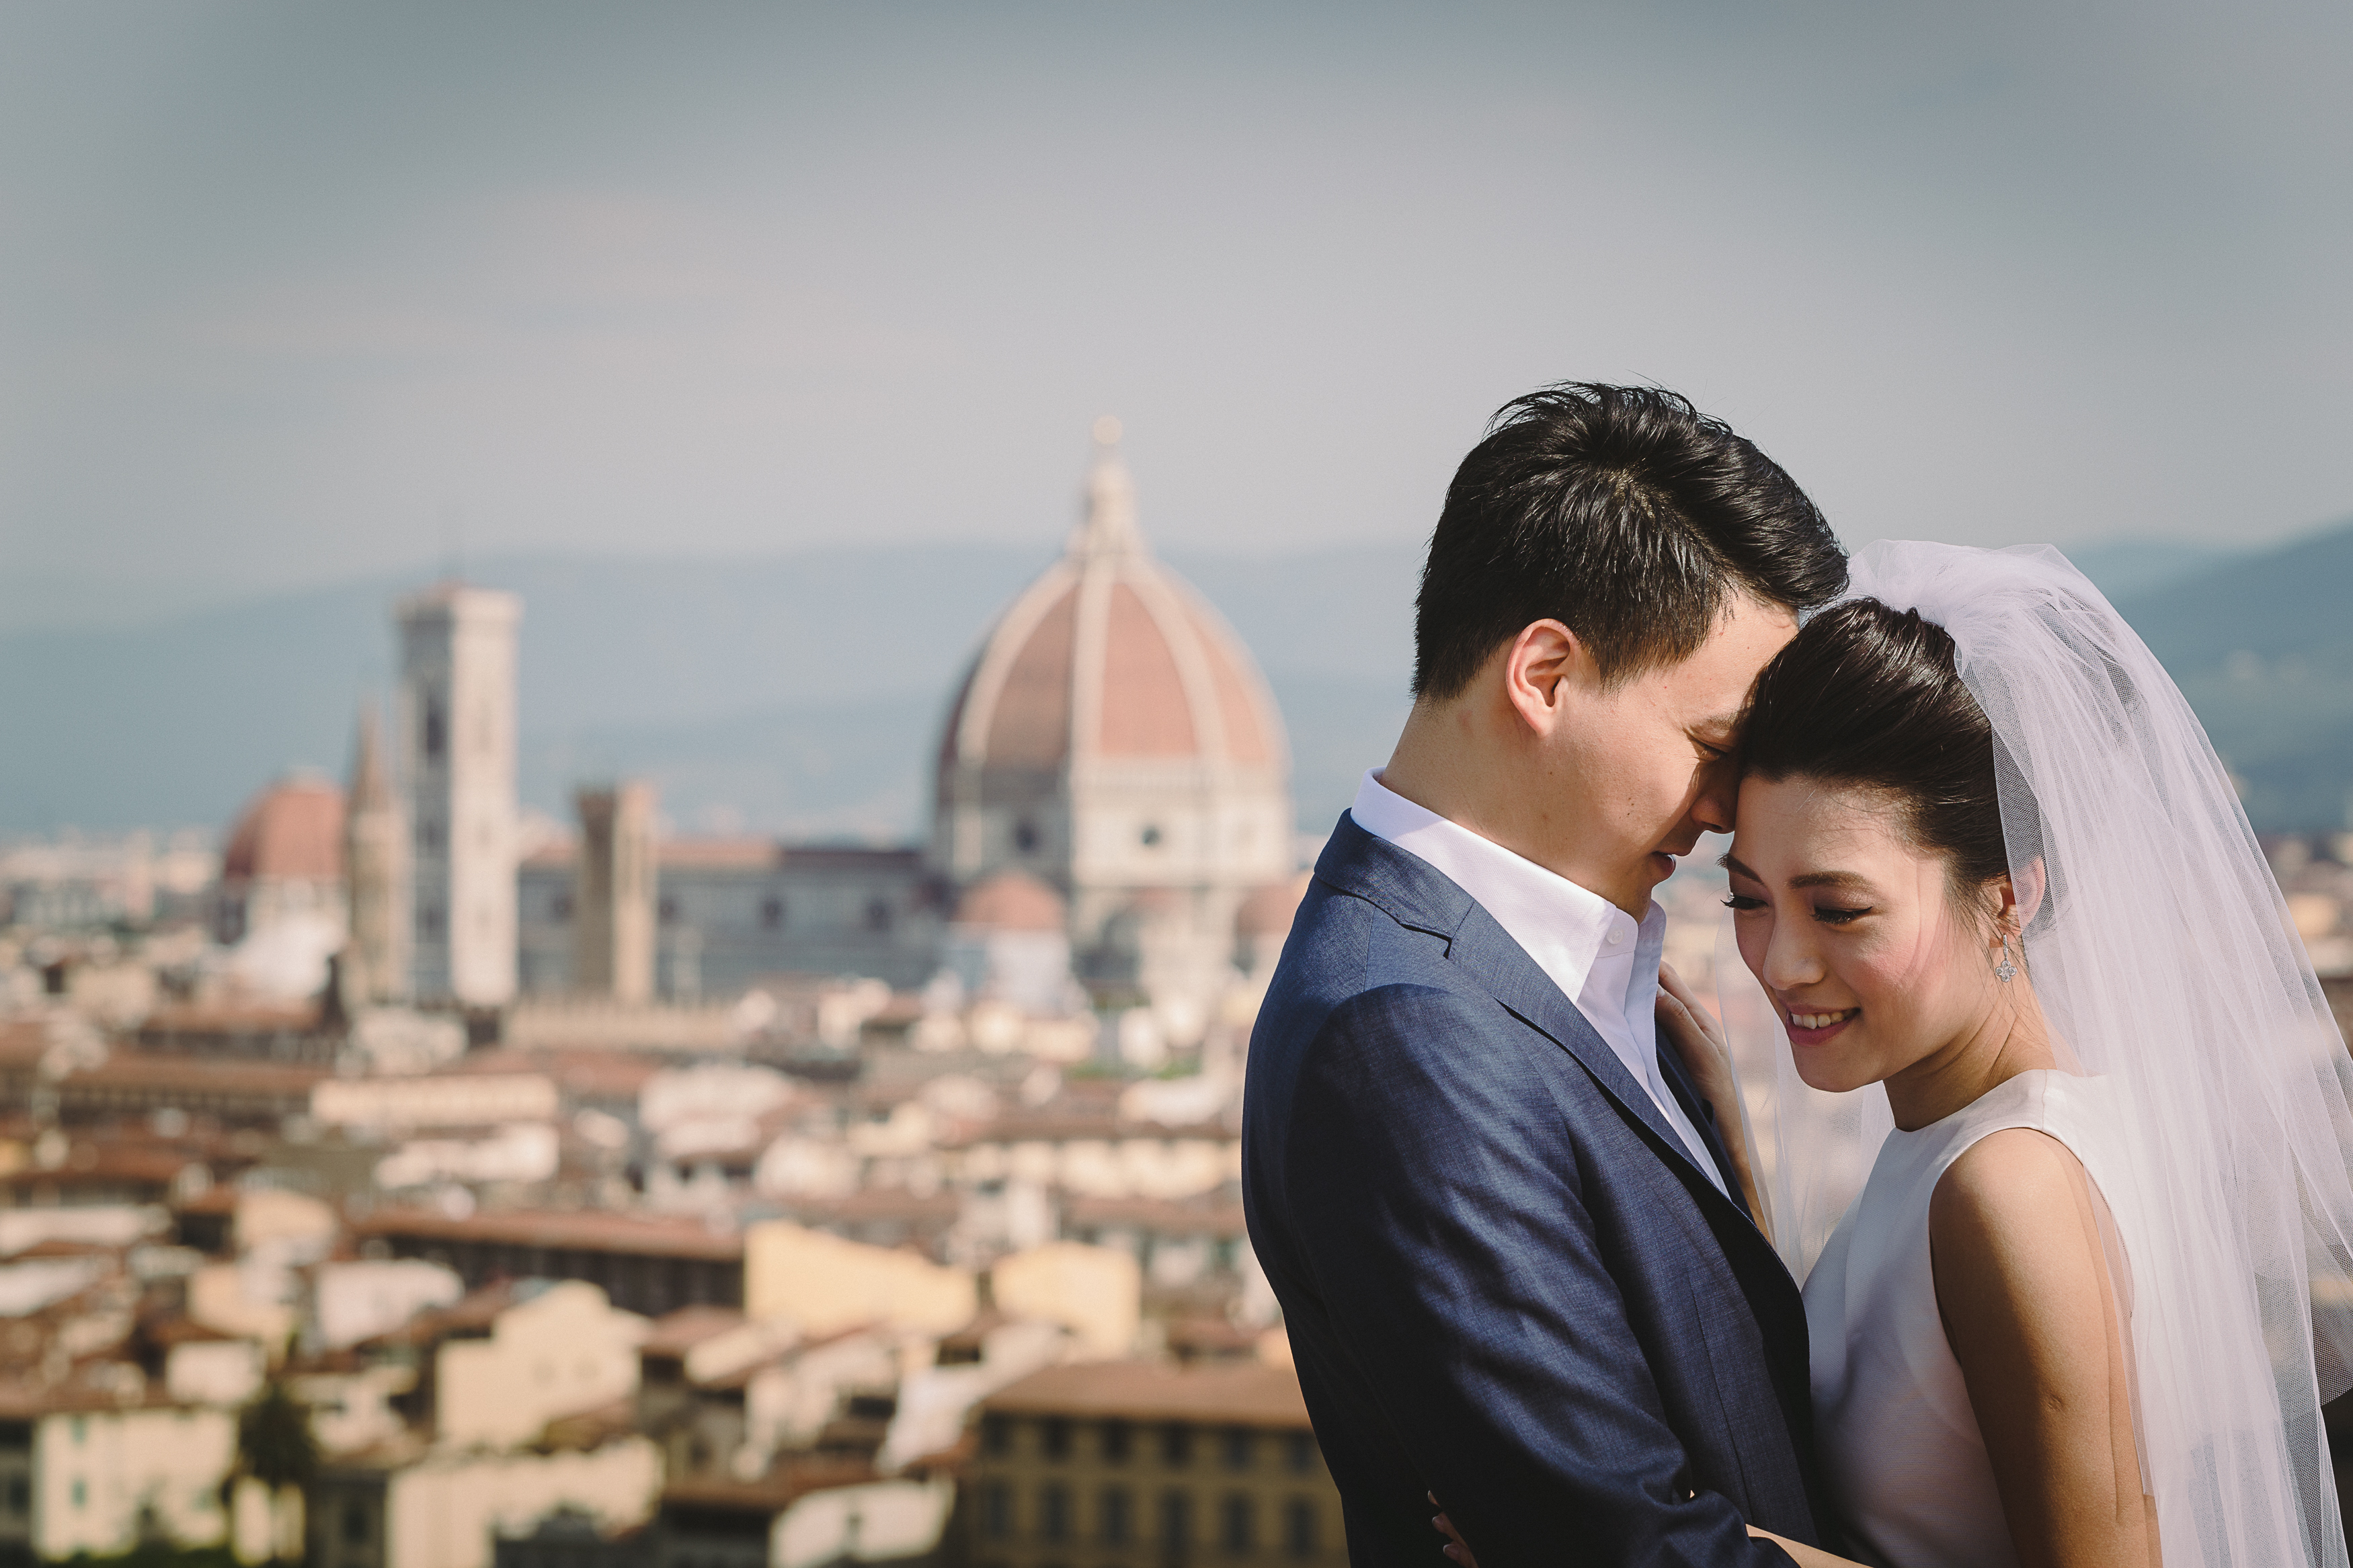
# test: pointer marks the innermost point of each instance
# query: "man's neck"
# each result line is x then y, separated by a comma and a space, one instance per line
1447, 763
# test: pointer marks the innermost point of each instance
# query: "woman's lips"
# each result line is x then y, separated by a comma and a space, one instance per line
1812, 1026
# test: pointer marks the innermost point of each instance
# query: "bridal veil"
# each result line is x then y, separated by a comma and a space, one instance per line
2164, 958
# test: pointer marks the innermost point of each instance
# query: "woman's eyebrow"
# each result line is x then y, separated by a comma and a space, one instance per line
1729, 864
1810, 880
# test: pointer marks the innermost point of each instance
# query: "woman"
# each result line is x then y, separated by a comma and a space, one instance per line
1987, 860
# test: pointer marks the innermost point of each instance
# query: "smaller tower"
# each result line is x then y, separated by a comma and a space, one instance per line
613, 894
375, 861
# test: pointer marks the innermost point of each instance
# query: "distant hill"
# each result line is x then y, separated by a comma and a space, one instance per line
792, 694
2263, 646
801, 694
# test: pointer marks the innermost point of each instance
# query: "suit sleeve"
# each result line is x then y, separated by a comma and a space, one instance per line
1426, 1184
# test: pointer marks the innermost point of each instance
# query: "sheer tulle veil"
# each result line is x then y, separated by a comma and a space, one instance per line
2165, 959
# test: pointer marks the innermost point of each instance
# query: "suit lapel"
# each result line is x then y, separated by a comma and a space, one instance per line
1418, 895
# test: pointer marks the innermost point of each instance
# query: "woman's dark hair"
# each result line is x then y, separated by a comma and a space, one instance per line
1870, 697
1625, 514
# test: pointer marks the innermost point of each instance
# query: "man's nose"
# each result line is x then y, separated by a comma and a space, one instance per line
1718, 797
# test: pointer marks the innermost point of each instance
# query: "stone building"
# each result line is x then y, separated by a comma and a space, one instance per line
613, 893
280, 904
1114, 737
457, 754
375, 959
1116, 1460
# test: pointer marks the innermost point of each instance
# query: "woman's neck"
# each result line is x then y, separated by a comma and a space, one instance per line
2011, 1038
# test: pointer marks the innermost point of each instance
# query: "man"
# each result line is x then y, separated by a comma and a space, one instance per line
1515, 1267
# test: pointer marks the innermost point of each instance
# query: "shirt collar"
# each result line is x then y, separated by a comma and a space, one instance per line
1566, 929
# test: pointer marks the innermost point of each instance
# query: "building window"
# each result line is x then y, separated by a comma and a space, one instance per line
1054, 1512
1302, 1453
1025, 837
878, 916
356, 1523
1240, 1447
1176, 1521
667, 911
1299, 1527
81, 1492
559, 907
1118, 1437
995, 1436
1176, 1444
428, 921
1238, 1524
997, 1511
1118, 1518
437, 727
772, 914
1150, 836
1054, 1438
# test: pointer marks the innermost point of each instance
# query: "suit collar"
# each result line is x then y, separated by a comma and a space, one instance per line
1418, 896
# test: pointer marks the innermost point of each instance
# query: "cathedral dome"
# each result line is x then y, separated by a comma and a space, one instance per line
293, 832
1010, 901
1110, 656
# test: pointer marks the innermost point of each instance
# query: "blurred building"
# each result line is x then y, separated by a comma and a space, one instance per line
1114, 737
279, 905
375, 962
458, 755
729, 913
613, 894
1137, 1460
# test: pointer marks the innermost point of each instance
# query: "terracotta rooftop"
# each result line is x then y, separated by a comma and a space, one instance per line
1011, 901
1239, 1394
126, 1070
1269, 911
293, 831
580, 1230
675, 1333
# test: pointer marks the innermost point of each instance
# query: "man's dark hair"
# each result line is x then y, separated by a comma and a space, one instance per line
1625, 514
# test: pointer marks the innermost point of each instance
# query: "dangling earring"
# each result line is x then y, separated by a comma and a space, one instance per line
2005, 970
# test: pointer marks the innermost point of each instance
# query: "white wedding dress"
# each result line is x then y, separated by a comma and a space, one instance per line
2200, 1080
1893, 1422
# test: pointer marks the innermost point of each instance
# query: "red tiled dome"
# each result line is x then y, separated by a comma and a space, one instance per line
1270, 911
293, 831
1010, 901
1110, 656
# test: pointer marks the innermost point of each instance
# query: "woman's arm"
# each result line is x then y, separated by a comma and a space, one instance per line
2032, 1313
1699, 1039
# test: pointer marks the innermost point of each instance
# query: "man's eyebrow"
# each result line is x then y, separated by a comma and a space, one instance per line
1721, 724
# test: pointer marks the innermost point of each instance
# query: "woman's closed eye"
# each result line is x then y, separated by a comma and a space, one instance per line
1829, 916
1742, 903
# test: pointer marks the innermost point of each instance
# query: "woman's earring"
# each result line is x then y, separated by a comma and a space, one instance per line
2005, 970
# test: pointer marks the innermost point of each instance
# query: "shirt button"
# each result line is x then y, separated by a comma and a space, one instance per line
1616, 937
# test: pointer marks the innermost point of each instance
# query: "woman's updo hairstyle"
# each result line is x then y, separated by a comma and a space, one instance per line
1869, 698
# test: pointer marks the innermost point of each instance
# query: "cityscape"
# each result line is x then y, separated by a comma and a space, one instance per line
641, 845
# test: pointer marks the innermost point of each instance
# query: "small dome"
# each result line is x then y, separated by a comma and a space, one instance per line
1011, 901
1110, 656
1269, 910
293, 831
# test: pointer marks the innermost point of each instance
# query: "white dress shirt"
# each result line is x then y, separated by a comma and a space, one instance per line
1606, 966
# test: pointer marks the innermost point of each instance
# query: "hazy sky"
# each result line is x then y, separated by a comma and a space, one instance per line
290, 292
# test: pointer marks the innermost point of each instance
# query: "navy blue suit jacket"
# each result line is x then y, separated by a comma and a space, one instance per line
1503, 1279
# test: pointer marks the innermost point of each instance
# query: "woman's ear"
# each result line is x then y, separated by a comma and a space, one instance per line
2022, 894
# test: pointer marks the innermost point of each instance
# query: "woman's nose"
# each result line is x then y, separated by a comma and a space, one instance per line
1790, 960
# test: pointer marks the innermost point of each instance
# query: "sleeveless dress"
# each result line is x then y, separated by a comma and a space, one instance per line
1892, 1416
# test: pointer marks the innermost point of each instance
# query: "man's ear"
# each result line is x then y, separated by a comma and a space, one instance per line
1540, 667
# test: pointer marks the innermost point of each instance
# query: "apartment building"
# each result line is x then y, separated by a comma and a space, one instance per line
1114, 1464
